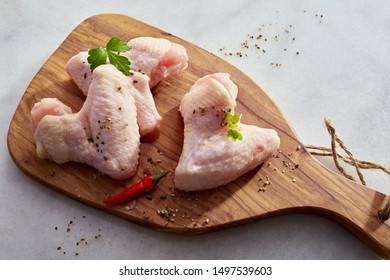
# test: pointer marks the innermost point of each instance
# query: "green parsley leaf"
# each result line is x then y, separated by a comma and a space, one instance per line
116, 45
228, 117
98, 56
232, 124
234, 135
120, 62
235, 118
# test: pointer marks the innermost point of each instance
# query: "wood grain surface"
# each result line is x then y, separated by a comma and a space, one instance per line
292, 181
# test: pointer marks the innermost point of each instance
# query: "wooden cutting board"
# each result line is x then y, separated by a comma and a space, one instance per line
290, 182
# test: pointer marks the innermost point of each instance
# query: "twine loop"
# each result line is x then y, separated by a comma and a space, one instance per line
383, 214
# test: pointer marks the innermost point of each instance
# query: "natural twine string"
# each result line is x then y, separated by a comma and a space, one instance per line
384, 213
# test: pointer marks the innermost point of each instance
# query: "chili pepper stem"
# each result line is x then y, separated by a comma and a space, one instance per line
157, 177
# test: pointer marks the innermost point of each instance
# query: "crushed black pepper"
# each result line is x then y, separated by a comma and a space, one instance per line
82, 241
257, 43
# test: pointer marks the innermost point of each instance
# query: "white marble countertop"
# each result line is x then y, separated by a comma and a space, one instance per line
342, 72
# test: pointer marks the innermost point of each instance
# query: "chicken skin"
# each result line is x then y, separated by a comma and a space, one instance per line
209, 158
103, 134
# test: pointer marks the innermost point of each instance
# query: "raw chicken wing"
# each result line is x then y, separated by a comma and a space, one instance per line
209, 158
157, 58
103, 134
148, 117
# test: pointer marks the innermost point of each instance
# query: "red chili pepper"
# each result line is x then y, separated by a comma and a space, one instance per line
145, 184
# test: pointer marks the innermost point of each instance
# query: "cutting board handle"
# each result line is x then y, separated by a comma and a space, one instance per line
348, 203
